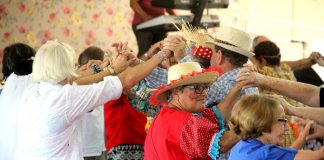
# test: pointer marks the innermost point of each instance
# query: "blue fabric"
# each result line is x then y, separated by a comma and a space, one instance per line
220, 119
253, 149
214, 146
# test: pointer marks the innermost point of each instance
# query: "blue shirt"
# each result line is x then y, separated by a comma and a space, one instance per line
253, 149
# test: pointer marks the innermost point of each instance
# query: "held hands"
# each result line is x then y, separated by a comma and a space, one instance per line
315, 131
175, 44
121, 57
316, 57
249, 76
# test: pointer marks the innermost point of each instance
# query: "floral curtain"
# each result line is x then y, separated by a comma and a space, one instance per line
80, 23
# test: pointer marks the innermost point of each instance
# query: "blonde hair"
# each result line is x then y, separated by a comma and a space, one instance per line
252, 115
53, 62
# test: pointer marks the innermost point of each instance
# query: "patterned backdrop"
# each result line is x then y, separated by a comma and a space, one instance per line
79, 23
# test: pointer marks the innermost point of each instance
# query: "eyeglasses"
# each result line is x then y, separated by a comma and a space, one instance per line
283, 121
199, 89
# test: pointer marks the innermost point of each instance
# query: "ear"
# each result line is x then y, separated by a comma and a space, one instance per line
221, 58
263, 61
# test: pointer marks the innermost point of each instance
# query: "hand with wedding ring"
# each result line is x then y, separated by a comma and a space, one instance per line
249, 76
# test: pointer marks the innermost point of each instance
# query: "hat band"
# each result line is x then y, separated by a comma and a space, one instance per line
224, 42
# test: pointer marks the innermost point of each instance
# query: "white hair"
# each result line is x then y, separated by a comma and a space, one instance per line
53, 62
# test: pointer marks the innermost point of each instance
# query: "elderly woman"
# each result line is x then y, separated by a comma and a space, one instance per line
184, 128
50, 120
260, 123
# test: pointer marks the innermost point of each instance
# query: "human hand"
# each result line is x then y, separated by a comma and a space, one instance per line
156, 47
304, 127
147, 17
314, 56
250, 76
91, 62
175, 44
118, 60
317, 131
287, 107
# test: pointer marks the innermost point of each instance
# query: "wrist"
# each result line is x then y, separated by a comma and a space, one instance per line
110, 69
162, 55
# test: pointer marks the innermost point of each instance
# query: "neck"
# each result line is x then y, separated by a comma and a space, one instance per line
175, 105
227, 67
263, 139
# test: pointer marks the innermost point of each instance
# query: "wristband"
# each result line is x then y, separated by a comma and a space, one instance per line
95, 68
162, 55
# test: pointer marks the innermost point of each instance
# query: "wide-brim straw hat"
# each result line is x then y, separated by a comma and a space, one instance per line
184, 74
233, 39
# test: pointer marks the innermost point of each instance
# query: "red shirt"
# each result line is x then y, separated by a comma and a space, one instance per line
179, 135
149, 9
123, 124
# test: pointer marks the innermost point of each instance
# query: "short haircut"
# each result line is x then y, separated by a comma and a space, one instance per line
53, 62
234, 58
269, 51
252, 115
258, 39
18, 59
90, 53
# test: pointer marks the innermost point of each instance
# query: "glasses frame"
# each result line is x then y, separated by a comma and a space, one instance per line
198, 88
283, 121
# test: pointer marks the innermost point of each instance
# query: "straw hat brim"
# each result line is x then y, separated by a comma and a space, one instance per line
233, 48
206, 77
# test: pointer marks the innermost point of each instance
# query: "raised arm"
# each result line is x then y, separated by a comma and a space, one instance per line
303, 63
305, 93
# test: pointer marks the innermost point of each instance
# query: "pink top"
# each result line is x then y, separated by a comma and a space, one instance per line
149, 9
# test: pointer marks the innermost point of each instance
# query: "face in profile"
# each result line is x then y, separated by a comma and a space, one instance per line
278, 129
192, 97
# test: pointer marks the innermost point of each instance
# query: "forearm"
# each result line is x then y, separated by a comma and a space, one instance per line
300, 64
228, 140
133, 75
305, 93
309, 155
315, 114
94, 78
225, 107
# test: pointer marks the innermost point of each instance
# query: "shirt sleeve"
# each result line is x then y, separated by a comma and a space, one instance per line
157, 78
321, 97
197, 134
85, 98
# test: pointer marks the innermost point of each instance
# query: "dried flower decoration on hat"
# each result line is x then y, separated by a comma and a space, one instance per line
196, 40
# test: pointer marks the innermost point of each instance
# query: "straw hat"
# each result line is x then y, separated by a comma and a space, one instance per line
183, 74
234, 40
196, 40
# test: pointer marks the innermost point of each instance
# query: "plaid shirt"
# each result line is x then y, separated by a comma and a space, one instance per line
159, 76
219, 89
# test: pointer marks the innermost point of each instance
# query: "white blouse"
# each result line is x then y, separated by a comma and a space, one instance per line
49, 124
